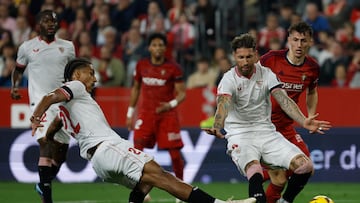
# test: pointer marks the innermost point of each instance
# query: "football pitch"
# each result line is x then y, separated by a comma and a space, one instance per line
12, 192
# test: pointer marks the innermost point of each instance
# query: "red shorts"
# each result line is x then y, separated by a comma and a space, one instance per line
162, 129
290, 134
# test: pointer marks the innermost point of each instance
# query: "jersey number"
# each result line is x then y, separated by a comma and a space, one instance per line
65, 116
135, 151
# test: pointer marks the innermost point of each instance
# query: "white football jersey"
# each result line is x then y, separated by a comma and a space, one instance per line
83, 118
45, 63
250, 109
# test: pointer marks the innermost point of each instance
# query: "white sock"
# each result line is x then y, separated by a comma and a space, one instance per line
219, 201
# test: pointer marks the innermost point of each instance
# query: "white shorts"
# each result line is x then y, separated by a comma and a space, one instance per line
119, 162
270, 148
61, 136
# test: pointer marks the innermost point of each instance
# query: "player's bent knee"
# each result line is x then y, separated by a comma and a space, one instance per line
303, 165
253, 168
278, 177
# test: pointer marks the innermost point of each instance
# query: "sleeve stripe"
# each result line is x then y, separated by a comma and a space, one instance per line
276, 86
224, 94
20, 65
67, 92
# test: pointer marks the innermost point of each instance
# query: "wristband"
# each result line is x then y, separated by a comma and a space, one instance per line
173, 103
130, 112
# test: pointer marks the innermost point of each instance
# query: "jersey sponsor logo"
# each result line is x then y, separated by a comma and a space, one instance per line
153, 81
294, 87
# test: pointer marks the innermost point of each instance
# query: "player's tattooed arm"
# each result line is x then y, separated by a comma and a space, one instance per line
288, 105
223, 104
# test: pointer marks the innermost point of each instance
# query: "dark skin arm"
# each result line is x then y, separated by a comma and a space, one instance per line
180, 92
53, 97
16, 76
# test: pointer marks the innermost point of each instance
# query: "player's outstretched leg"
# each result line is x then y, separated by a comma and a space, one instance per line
155, 176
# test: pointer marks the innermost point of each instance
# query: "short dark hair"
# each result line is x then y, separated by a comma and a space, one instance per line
43, 13
301, 27
157, 35
243, 41
74, 64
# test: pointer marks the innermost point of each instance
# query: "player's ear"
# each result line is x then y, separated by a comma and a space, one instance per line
76, 74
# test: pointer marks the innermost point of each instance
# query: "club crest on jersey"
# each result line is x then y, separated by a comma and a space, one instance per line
259, 83
303, 77
163, 72
61, 49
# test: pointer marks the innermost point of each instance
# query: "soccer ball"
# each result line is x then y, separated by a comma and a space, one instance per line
321, 199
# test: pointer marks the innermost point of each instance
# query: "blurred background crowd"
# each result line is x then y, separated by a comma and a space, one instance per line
113, 33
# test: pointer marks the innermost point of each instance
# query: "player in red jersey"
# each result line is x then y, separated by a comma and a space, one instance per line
162, 89
299, 73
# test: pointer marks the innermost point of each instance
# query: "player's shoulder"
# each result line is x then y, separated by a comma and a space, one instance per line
274, 53
30, 42
312, 62
64, 42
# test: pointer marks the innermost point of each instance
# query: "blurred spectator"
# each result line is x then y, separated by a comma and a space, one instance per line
224, 65
205, 22
346, 35
85, 39
353, 73
86, 52
123, 15
182, 37
68, 14
22, 32
134, 49
62, 33
7, 22
7, 64
154, 18
112, 41
340, 79
111, 70
23, 11
174, 12
327, 70
275, 44
203, 76
270, 31
96, 30
295, 18
5, 38
286, 11
317, 21
321, 51
338, 12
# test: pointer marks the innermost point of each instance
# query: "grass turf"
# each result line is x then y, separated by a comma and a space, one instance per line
12, 192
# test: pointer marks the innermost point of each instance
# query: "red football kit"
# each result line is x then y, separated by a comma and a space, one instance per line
157, 86
295, 79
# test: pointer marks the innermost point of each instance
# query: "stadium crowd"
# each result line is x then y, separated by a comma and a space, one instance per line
113, 34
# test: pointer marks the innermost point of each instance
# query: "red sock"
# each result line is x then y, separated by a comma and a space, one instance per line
266, 175
177, 163
273, 193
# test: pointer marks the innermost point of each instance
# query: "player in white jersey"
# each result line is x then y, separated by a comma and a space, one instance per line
114, 159
244, 112
45, 58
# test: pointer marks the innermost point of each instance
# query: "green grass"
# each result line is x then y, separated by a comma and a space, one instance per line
11, 192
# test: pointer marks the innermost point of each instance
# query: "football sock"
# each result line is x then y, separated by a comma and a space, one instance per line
55, 170
266, 175
295, 184
136, 196
273, 193
197, 195
45, 173
256, 189
177, 163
